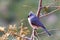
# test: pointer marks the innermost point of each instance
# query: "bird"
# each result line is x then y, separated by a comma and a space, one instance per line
35, 22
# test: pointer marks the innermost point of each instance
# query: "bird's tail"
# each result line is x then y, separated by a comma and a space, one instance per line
47, 31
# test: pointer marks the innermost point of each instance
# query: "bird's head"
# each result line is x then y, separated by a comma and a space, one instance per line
31, 14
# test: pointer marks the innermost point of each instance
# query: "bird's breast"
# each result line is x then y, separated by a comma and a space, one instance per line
29, 20
33, 26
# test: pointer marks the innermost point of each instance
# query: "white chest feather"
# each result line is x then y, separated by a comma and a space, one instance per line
29, 20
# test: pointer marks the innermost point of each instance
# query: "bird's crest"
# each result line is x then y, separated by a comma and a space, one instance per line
30, 13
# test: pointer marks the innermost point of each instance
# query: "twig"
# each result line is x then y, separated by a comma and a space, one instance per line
39, 8
51, 6
48, 30
49, 13
48, 5
32, 36
37, 37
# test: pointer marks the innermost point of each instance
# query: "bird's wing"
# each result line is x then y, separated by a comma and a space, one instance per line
35, 21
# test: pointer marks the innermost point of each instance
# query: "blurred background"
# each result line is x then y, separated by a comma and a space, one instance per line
13, 11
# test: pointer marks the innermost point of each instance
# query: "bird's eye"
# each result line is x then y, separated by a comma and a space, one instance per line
28, 16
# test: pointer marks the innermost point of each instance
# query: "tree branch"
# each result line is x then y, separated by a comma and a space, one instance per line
49, 13
39, 8
32, 36
49, 30
51, 6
